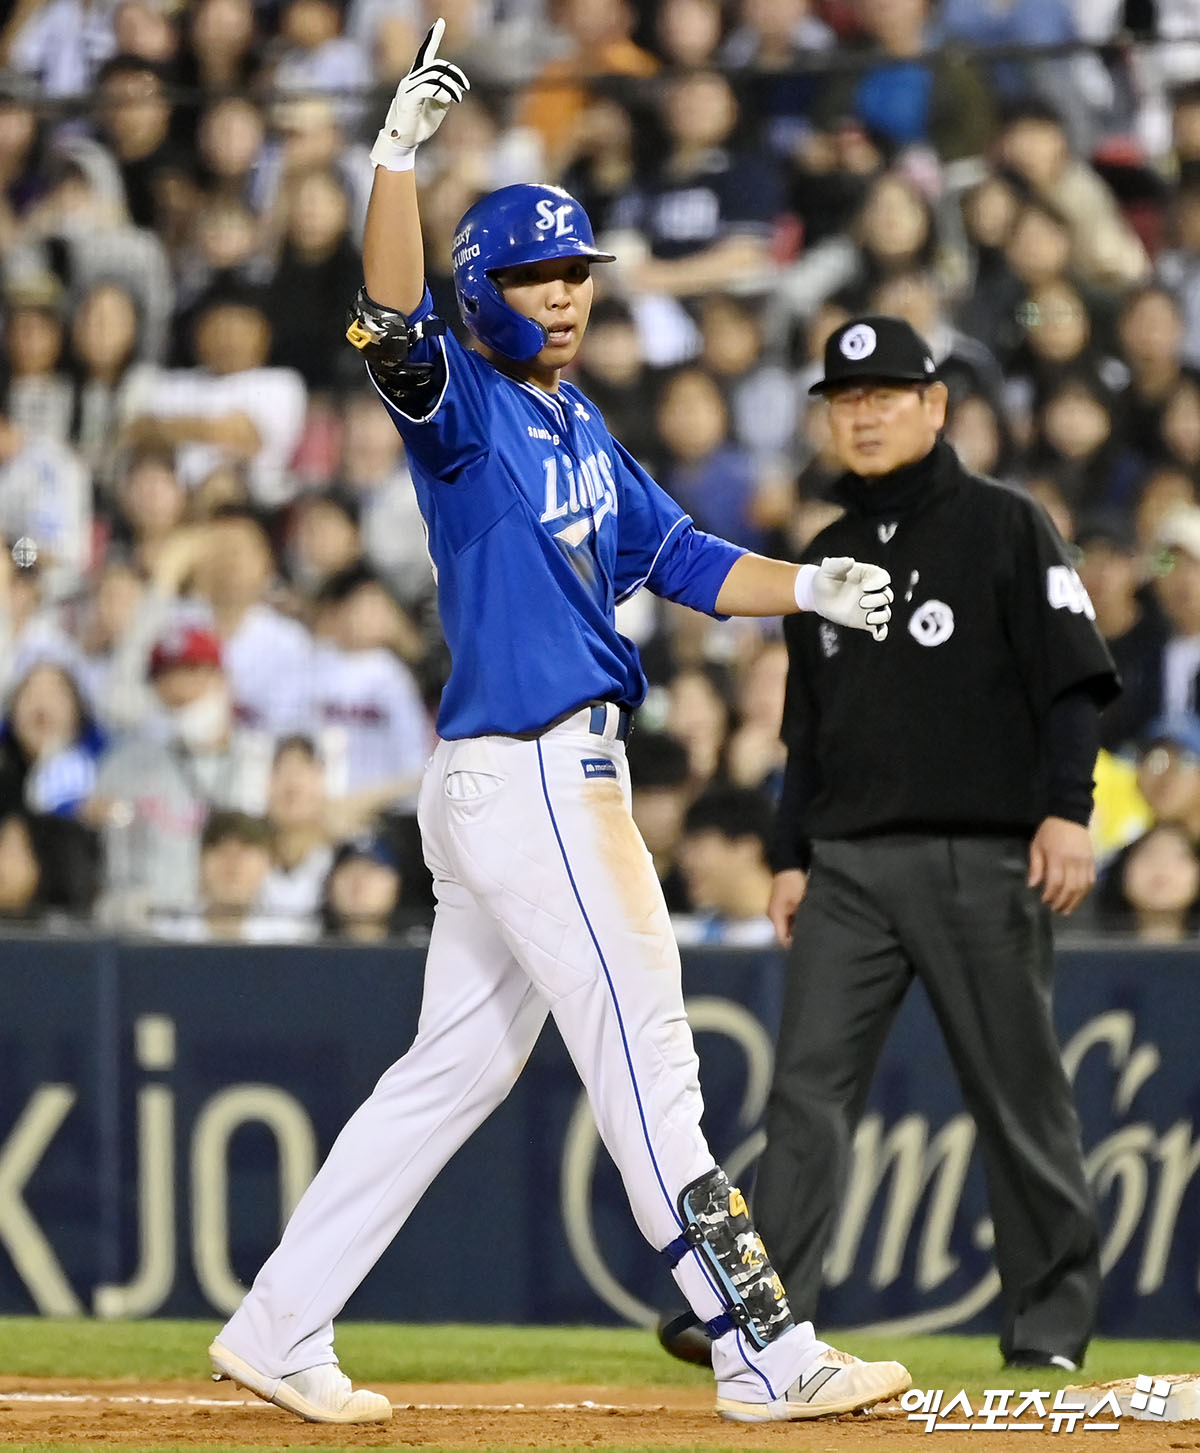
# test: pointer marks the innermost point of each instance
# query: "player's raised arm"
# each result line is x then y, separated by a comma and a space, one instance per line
393, 257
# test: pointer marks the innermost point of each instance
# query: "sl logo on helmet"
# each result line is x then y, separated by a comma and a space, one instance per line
551, 216
858, 342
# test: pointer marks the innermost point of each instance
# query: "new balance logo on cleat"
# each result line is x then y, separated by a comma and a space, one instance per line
834, 1383
804, 1390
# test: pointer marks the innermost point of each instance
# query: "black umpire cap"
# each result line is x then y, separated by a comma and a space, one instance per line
879, 348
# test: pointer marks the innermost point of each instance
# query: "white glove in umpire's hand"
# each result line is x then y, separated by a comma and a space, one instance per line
421, 101
848, 592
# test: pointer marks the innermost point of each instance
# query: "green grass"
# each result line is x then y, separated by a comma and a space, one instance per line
371, 1352
615, 1356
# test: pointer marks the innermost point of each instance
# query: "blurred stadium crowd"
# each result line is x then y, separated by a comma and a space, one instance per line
219, 655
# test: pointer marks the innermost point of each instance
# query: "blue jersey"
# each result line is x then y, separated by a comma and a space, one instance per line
538, 524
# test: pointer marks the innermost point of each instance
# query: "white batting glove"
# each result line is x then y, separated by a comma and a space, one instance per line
421, 101
847, 592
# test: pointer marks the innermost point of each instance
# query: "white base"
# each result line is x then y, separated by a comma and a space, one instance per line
1183, 1401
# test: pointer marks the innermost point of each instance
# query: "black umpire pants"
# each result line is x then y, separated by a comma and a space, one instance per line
956, 913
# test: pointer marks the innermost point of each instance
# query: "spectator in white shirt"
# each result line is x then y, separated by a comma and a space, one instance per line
63, 42
318, 57
228, 565
374, 730
268, 655
46, 502
31, 628
235, 862
38, 396
231, 407
301, 846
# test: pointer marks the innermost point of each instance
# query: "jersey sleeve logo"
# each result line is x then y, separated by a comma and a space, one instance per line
1065, 591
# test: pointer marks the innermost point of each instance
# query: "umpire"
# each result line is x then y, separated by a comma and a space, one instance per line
934, 814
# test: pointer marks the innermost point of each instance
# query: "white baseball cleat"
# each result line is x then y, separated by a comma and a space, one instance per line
318, 1394
835, 1383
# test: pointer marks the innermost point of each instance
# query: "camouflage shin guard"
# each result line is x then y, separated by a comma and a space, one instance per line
720, 1231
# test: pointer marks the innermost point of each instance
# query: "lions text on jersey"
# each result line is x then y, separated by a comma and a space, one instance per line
538, 524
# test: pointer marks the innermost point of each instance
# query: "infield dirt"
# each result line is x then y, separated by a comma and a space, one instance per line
198, 1413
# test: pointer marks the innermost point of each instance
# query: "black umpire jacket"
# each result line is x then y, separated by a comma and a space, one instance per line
978, 713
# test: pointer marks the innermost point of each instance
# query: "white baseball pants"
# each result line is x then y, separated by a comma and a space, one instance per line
547, 902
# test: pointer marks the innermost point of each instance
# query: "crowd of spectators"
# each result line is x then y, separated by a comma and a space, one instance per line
219, 653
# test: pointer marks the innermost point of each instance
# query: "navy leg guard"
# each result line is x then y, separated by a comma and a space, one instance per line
720, 1231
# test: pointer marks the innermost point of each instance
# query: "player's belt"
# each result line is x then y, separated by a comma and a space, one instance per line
601, 715
598, 721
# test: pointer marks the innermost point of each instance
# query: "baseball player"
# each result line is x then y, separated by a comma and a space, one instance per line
538, 524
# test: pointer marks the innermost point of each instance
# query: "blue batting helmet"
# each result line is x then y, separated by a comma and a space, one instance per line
509, 228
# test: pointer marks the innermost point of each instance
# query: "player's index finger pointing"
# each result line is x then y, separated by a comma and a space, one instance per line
429, 46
